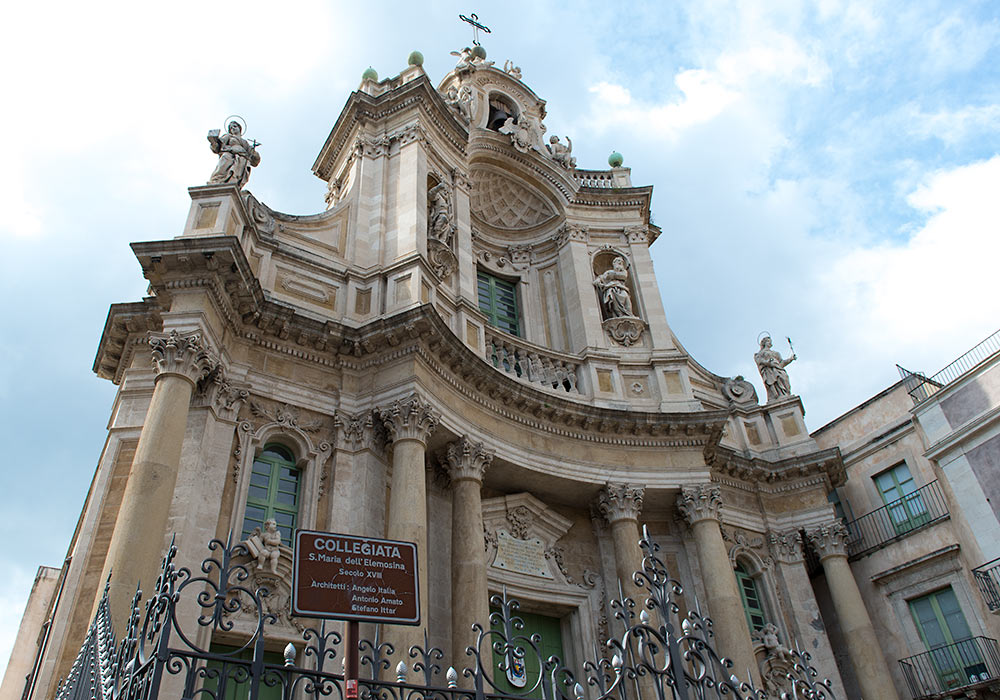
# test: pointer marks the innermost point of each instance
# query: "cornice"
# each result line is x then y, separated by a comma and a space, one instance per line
362, 108
810, 469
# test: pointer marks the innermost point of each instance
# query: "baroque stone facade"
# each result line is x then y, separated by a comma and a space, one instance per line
465, 349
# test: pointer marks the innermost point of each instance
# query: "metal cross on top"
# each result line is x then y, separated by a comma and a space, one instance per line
476, 26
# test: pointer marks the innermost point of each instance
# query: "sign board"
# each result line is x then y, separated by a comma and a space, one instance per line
344, 577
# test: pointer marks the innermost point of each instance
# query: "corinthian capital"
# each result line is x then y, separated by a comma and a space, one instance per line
829, 539
181, 354
786, 546
701, 502
468, 460
620, 502
412, 418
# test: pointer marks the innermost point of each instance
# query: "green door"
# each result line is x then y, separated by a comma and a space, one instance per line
946, 635
551, 645
241, 690
899, 493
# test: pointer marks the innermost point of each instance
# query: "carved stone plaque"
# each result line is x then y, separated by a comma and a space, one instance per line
521, 556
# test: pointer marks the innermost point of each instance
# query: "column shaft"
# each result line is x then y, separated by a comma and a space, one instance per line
725, 604
862, 643
628, 556
137, 542
408, 521
469, 590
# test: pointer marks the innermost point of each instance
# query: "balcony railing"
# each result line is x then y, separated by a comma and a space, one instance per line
988, 578
895, 520
919, 386
952, 666
531, 364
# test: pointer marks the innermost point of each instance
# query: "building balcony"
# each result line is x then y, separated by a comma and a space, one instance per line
988, 577
952, 668
532, 363
896, 520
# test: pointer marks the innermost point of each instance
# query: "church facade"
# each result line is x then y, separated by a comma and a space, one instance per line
467, 350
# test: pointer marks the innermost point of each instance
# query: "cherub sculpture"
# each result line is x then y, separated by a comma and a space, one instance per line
236, 156
560, 153
510, 69
266, 545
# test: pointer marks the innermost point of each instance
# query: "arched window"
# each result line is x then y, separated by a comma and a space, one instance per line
274, 492
753, 605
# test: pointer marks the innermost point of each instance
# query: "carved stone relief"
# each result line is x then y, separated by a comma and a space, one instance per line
503, 202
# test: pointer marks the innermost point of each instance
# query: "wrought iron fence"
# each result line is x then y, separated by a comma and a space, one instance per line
920, 386
897, 519
952, 666
988, 577
656, 654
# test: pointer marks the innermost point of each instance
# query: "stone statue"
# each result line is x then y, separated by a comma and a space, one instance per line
772, 370
460, 100
525, 133
510, 69
266, 545
439, 225
236, 156
613, 287
562, 154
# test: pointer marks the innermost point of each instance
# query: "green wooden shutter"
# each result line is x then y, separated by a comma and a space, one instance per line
752, 605
498, 300
274, 493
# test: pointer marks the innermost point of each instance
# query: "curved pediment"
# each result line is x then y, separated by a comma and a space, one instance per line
508, 203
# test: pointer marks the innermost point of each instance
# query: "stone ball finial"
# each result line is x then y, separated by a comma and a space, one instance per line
615, 160
370, 74
416, 59
479, 52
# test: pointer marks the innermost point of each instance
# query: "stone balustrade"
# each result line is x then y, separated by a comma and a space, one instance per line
530, 363
603, 179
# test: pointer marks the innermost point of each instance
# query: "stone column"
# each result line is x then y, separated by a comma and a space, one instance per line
806, 625
700, 507
409, 422
620, 505
467, 462
830, 542
137, 542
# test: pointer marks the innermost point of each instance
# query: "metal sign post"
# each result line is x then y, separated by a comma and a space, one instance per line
355, 579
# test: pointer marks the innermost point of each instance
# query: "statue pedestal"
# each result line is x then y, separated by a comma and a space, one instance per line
216, 210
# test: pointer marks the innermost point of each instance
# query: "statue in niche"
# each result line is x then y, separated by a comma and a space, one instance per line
562, 154
772, 370
236, 156
460, 100
266, 545
510, 69
439, 226
613, 287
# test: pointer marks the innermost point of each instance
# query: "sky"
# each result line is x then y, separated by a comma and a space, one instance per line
826, 171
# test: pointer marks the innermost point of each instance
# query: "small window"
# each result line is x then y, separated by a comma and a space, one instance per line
498, 300
899, 493
753, 606
274, 492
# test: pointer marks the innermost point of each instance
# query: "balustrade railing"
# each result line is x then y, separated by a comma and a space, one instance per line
654, 652
952, 666
988, 577
897, 519
531, 364
603, 179
920, 386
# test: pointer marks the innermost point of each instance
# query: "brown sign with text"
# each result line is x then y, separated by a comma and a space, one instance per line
345, 577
